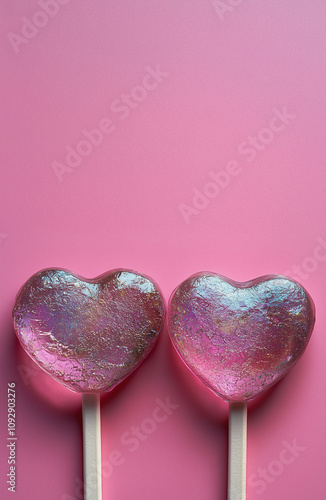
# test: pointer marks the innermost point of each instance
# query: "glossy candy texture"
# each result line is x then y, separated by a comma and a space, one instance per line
240, 338
88, 334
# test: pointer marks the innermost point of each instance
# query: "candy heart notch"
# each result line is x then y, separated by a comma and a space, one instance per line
240, 338
89, 334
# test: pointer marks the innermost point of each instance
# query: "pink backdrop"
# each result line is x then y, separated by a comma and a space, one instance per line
168, 138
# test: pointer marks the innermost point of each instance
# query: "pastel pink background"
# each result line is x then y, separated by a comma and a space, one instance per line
224, 75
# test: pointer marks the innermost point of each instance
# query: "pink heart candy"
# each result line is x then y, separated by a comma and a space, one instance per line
89, 334
240, 338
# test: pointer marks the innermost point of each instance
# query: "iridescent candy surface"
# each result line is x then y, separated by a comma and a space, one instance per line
240, 338
88, 334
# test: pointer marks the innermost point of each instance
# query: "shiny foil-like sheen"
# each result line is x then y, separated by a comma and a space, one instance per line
88, 334
240, 338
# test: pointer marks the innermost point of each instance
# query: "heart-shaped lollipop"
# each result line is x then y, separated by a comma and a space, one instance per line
89, 334
240, 338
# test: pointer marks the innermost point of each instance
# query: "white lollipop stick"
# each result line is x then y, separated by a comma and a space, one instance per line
237, 451
92, 447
